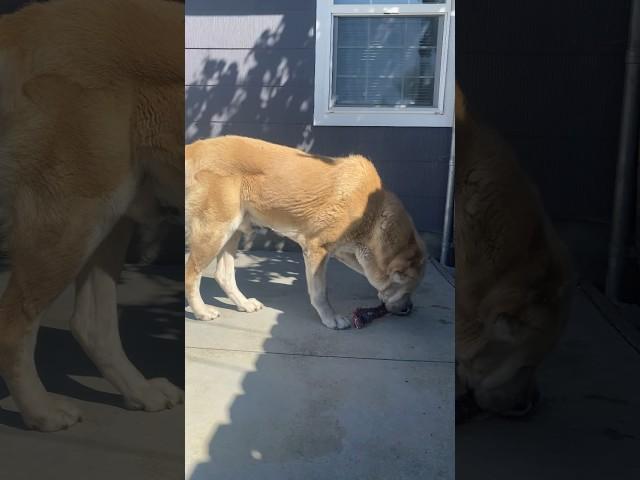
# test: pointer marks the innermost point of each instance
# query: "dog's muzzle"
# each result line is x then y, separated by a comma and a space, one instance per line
401, 309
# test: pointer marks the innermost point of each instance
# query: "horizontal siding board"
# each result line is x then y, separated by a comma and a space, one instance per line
573, 177
261, 66
427, 212
247, 7
292, 30
290, 104
415, 178
532, 28
564, 96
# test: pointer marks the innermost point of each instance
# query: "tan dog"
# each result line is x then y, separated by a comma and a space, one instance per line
513, 285
91, 107
331, 207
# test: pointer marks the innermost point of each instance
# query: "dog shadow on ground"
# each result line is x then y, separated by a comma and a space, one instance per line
152, 334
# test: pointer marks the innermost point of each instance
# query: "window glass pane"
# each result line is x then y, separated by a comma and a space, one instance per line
385, 61
352, 32
383, 2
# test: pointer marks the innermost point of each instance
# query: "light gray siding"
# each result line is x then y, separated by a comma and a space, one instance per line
249, 70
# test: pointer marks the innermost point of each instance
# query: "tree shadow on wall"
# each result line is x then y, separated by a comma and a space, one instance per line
266, 92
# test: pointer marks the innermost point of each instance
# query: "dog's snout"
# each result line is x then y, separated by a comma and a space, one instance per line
408, 308
404, 307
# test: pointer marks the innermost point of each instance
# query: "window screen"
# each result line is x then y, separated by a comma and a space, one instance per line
385, 61
383, 2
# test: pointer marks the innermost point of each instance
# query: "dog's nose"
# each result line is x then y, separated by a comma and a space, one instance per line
405, 310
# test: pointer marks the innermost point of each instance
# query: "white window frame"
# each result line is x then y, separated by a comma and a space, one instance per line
326, 114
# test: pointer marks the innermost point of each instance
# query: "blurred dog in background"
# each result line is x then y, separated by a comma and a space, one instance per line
512, 275
91, 140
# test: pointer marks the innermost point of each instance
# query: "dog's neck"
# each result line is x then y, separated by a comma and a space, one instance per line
392, 220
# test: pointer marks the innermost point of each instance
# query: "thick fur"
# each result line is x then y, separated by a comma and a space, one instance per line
91, 109
330, 206
513, 277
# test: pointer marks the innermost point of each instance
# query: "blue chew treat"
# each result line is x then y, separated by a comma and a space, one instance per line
362, 316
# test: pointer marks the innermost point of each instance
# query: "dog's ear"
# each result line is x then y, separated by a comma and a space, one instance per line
397, 269
507, 327
500, 311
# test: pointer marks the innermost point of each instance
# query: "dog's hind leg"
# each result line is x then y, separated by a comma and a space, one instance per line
204, 248
47, 252
226, 276
20, 312
95, 325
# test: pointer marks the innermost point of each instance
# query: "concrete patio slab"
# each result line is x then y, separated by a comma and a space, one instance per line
275, 394
275, 417
587, 425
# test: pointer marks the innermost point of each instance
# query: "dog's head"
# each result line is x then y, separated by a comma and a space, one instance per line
404, 255
497, 362
403, 276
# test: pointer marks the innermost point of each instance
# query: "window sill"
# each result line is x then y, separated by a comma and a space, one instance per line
364, 118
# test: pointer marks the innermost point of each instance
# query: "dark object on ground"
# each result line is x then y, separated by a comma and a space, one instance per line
362, 316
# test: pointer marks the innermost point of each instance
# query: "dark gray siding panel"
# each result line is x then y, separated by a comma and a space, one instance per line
553, 88
250, 71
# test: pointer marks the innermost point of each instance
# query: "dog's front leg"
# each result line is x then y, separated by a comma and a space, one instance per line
95, 325
350, 260
315, 260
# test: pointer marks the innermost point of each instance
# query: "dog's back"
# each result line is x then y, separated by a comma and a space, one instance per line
282, 186
92, 43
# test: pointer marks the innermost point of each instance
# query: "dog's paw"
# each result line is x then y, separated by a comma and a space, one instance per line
174, 395
207, 314
59, 414
338, 322
251, 305
155, 395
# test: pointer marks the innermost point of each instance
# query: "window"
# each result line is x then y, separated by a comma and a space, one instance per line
384, 63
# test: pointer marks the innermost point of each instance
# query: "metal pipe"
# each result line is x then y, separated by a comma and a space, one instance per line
448, 207
626, 158
638, 208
